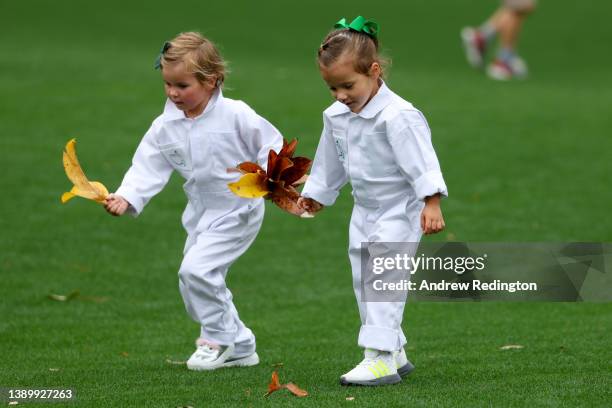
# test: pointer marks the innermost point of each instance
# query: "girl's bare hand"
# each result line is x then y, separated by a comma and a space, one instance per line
116, 205
432, 220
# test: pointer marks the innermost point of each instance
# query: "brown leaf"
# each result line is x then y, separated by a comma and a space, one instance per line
272, 156
281, 165
286, 199
301, 180
283, 172
250, 167
275, 385
288, 148
297, 171
295, 390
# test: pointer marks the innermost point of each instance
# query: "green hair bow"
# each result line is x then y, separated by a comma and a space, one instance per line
165, 48
361, 25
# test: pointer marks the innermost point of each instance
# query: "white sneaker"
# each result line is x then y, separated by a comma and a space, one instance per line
377, 368
403, 365
504, 71
474, 46
207, 357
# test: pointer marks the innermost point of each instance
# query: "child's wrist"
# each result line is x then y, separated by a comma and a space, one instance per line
433, 199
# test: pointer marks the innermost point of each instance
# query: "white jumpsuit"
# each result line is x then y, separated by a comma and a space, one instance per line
220, 226
385, 152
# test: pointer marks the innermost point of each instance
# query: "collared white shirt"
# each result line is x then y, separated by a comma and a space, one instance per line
384, 151
201, 149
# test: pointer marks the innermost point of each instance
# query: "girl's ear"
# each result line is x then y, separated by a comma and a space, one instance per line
211, 82
375, 70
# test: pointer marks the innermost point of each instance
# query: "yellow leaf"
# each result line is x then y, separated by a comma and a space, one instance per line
68, 195
92, 190
97, 192
73, 168
251, 185
101, 189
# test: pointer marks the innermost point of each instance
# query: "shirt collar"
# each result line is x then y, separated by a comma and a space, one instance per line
373, 107
171, 112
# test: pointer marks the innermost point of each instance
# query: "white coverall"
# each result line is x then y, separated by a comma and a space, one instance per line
385, 152
220, 226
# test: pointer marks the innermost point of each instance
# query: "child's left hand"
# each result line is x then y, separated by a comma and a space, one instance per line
432, 220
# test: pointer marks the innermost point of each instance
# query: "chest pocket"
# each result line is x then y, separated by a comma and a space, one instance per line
377, 155
341, 145
178, 156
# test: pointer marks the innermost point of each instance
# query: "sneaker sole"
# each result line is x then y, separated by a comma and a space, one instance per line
387, 380
247, 361
405, 369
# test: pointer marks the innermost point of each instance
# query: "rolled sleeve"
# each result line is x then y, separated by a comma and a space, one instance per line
429, 184
321, 193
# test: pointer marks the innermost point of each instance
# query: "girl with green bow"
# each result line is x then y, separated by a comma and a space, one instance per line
381, 144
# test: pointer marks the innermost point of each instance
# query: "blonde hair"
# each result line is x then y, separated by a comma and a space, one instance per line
360, 46
199, 55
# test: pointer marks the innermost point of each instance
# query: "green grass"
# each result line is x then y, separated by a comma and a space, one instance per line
524, 161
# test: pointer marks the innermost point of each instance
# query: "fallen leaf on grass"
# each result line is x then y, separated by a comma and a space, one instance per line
275, 385
511, 347
295, 390
64, 298
175, 362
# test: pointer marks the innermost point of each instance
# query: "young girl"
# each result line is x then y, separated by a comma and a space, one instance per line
200, 134
381, 144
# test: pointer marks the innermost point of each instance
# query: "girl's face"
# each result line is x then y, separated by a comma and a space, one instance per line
184, 89
349, 86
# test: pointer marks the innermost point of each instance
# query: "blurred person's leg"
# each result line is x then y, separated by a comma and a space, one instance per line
508, 20
505, 22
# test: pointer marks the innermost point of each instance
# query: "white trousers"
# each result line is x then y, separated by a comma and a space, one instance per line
395, 222
208, 257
